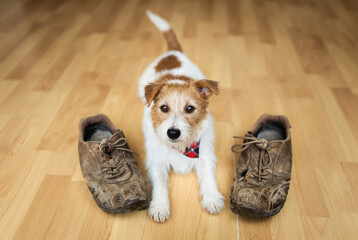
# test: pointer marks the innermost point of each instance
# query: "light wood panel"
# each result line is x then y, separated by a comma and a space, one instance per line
63, 60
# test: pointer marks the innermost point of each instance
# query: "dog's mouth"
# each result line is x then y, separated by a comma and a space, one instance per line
178, 144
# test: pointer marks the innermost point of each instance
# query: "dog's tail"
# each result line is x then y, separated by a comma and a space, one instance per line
164, 27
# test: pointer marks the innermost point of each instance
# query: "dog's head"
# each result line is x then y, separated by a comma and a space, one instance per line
178, 108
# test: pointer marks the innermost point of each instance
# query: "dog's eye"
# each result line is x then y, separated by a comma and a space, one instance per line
189, 109
164, 108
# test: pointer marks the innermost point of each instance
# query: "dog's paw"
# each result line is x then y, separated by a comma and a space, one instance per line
159, 212
213, 203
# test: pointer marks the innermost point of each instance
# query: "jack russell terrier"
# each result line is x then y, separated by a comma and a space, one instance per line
177, 126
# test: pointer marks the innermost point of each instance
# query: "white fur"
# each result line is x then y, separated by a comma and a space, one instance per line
177, 81
159, 22
161, 156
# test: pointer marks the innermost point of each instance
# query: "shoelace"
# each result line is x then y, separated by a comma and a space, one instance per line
113, 166
260, 143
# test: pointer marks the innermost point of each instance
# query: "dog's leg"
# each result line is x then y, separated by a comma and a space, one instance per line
211, 198
159, 206
205, 167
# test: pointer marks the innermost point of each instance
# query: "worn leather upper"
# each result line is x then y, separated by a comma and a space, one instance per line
111, 172
263, 172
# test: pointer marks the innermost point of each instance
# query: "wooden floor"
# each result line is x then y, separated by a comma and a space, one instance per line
63, 60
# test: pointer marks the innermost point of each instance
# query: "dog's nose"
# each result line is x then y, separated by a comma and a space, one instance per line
173, 133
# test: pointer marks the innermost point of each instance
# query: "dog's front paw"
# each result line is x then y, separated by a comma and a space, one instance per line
213, 203
159, 212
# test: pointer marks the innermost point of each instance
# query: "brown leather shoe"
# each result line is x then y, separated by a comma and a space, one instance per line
107, 164
263, 173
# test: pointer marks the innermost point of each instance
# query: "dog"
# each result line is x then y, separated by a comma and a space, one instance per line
177, 125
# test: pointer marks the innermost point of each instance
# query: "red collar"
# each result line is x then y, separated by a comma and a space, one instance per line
192, 151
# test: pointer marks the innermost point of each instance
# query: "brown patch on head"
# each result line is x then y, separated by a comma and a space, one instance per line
169, 76
204, 87
152, 89
167, 63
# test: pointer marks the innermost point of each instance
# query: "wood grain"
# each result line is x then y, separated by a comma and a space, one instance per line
64, 60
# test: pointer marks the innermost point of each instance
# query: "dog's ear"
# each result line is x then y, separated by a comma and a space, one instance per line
151, 91
207, 87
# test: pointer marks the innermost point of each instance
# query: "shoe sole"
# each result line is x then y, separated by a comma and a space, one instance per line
131, 205
251, 211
